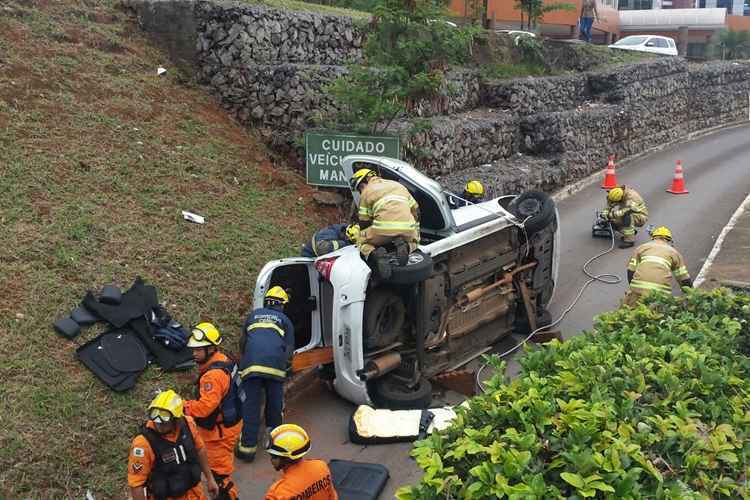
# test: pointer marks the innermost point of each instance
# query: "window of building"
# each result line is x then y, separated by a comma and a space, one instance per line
725, 4
635, 4
702, 4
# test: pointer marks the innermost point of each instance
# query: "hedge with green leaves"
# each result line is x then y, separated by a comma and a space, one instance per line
654, 403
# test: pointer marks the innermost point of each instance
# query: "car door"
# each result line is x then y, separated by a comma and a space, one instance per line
298, 276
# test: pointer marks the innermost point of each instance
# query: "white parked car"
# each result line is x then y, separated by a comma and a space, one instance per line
460, 292
647, 43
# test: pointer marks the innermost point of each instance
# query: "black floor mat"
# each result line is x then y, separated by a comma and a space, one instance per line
357, 480
116, 357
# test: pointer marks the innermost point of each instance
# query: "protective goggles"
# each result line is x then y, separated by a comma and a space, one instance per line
200, 335
160, 416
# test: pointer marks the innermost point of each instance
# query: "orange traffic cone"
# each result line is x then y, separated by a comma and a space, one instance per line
678, 183
610, 181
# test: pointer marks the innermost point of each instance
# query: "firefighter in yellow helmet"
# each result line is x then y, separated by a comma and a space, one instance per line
652, 266
387, 214
309, 479
626, 210
267, 346
216, 407
473, 193
168, 456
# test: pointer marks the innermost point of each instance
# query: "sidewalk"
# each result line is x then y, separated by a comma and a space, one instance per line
729, 262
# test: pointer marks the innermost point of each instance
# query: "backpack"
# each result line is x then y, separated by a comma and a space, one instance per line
231, 405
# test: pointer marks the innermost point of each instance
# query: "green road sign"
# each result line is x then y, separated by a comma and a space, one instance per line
324, 152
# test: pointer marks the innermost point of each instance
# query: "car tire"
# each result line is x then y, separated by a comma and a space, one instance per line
521, 324
534, 209
385, 315
389, 392
418, 268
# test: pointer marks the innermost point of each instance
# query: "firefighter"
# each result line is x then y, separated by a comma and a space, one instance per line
387, 214
473, 193
166, 459
215, 409
626, 210
309, 479
652, 266
330, 238
267, 346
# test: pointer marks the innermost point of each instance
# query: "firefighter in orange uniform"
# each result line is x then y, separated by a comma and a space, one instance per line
308, 479
216, 408
166, 459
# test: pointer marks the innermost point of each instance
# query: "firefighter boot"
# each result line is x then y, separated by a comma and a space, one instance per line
402, 251
380, 263
628, 240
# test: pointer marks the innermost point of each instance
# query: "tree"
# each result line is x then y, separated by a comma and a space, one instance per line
734, 44
534, 10
409, 47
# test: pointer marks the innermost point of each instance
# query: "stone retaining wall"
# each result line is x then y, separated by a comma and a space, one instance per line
269, 68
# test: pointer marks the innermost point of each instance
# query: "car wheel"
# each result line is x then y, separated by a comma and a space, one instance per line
418, 268
389, 392
535, 210
385, 315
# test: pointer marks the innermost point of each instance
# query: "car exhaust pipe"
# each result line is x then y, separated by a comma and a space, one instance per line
376, 368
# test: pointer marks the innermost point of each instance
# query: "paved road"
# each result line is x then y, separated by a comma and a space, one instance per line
717, 175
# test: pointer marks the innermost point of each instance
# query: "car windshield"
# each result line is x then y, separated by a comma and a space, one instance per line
632, 40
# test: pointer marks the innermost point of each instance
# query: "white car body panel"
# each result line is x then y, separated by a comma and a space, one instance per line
670, 50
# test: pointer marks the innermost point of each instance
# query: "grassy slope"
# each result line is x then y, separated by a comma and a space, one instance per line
98, 156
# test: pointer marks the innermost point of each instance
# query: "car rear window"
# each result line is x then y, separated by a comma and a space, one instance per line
632, 40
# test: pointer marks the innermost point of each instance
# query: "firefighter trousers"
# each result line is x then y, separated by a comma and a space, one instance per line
255, 390
369, 239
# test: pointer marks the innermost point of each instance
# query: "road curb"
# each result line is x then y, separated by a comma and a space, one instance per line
571, 189
701, 278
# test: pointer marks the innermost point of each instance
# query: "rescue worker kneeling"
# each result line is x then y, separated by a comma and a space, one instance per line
308, 479
473, 193
215, 407
166, 459
652, 267
626, 210
267, 346
330, 238
387, 214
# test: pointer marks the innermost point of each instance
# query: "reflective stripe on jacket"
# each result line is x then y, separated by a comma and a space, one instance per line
390, 207
631, 201
267, 344
653, 265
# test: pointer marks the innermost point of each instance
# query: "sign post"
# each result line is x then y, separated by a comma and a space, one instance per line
324, 152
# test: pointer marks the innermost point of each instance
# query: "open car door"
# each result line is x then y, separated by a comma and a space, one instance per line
298, 276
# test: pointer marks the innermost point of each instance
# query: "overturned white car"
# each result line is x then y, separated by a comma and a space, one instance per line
459, 293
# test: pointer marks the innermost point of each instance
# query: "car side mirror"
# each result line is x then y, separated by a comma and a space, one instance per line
649, 44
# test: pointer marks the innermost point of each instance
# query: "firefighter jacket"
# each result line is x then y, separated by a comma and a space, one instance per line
167, 464
653, 265
326, 240
390, 207
308, 479
631, 202
267, 344
212, 387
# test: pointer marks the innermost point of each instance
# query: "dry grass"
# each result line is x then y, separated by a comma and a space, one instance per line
98, 156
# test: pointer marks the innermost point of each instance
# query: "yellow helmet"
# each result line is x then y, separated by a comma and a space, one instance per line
166, 405
615, 194
204, 335
352, 232
290, 441
662, 232
474, 188
359, 176
277, 294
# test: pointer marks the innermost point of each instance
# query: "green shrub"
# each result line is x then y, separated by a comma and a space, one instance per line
655, 403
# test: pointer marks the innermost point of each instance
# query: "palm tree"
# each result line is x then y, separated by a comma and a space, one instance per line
734, 44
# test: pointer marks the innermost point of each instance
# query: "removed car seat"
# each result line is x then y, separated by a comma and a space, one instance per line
358, 481
116, 357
